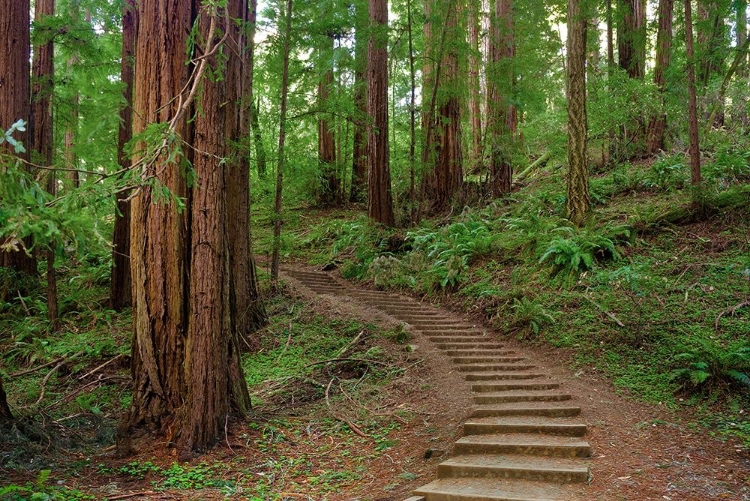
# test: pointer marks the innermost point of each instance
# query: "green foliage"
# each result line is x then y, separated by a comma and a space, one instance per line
530, 315
709, 366
40, 491
667, 173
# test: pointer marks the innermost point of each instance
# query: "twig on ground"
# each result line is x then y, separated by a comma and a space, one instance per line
39, 367
610, 315
128, 496
288, 341
71, 395
43, 387
730, 311
374, 413
345, 360
352, 426
23, 303
351, 343
226, 432
102, 366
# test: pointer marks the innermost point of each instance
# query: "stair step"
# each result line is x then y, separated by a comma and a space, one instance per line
444, 327
519, 396
540, 409
461, 337
502, 376
518, 385
531, 444
479, 489
494, 367
487, 359
527, 424
488, 352
551, 469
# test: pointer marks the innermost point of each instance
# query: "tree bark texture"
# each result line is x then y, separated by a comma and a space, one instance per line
658, 123
742, 72
15, 90
631, 37
443, 156
475, 98
380, 201
359, 146
120, 286
187, 380
578, 201
503, 116
282, 141
260, 148
42, 87
5, 413
330, 187
695, 153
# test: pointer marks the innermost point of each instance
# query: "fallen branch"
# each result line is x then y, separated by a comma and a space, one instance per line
351, 425
43, 387
610, 315
128, 496
536, 163
34, 369
73, 394
351, 343
374, 413
331, 360
94, 371
731, 311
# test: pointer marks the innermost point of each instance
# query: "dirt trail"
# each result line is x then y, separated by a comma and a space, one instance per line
537, 432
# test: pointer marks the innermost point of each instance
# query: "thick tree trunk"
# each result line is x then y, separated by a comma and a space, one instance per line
658, 123
41, 136
695, 154
359, 154
443, 157
5, 413
503, 116
631, 37
14, 105
120, 286
579, 202
475, 110
187, 380
380, 201
330, 189
282, 141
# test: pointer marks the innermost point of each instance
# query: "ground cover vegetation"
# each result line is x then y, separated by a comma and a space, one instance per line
575, 173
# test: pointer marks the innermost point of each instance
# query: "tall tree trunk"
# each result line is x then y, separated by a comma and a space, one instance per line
359, 160
503, 116
5, 413
579, 201
120, 286
442, 156
742, 96
658, 123
14, 105
282, 140
412, 120
380, 201
475, 110
330, 188
249, 311
610, 38
695, 154
187, 379
41, 135
260, 148
631, 37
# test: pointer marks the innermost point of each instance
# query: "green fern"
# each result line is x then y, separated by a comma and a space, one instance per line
709, 366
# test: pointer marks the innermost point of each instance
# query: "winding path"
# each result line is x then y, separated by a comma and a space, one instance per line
524, 440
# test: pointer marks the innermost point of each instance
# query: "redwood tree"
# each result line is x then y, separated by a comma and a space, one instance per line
120, 285
578, 200
475, 111
695, 152
631, 37
15, 74
187, 379
658, 122
380, 201
359, 146
330, 189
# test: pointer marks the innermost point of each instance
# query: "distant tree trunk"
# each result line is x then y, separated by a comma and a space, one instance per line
658, 123
249, 311
412, 121
503, 116
610, 38
743, 71
260, 149
631, 37
330, 188
475, 110
120, 286
359, 156
14, 105
444, 177
41, 136
71, 128
579, 202
380, 201
282, 140
695, 154
187, 377
5, 413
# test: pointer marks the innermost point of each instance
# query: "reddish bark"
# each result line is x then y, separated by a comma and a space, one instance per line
658, 123
695, 154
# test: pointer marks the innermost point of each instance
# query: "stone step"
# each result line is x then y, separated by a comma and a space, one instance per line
421, 318
508, 386
443, 327
529, 444
450, 345
494, 367
550, 469
502, 376
467, 335
479, 489
539, 409
471, 351
487, 359
526, 424
520, 396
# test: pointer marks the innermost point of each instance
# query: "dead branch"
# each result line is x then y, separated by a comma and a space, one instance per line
331, 360
351, 343
610, 315
94, 371
39, 367
374, 413
351, 425
730, 311
128, 496
70, 396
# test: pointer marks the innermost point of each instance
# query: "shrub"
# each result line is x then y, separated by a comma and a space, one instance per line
709, 366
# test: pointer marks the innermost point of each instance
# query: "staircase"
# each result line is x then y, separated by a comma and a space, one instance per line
524, 439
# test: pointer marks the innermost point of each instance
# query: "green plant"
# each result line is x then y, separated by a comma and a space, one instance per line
528, 314
709, 366
40, 491
578, 250
667, 173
